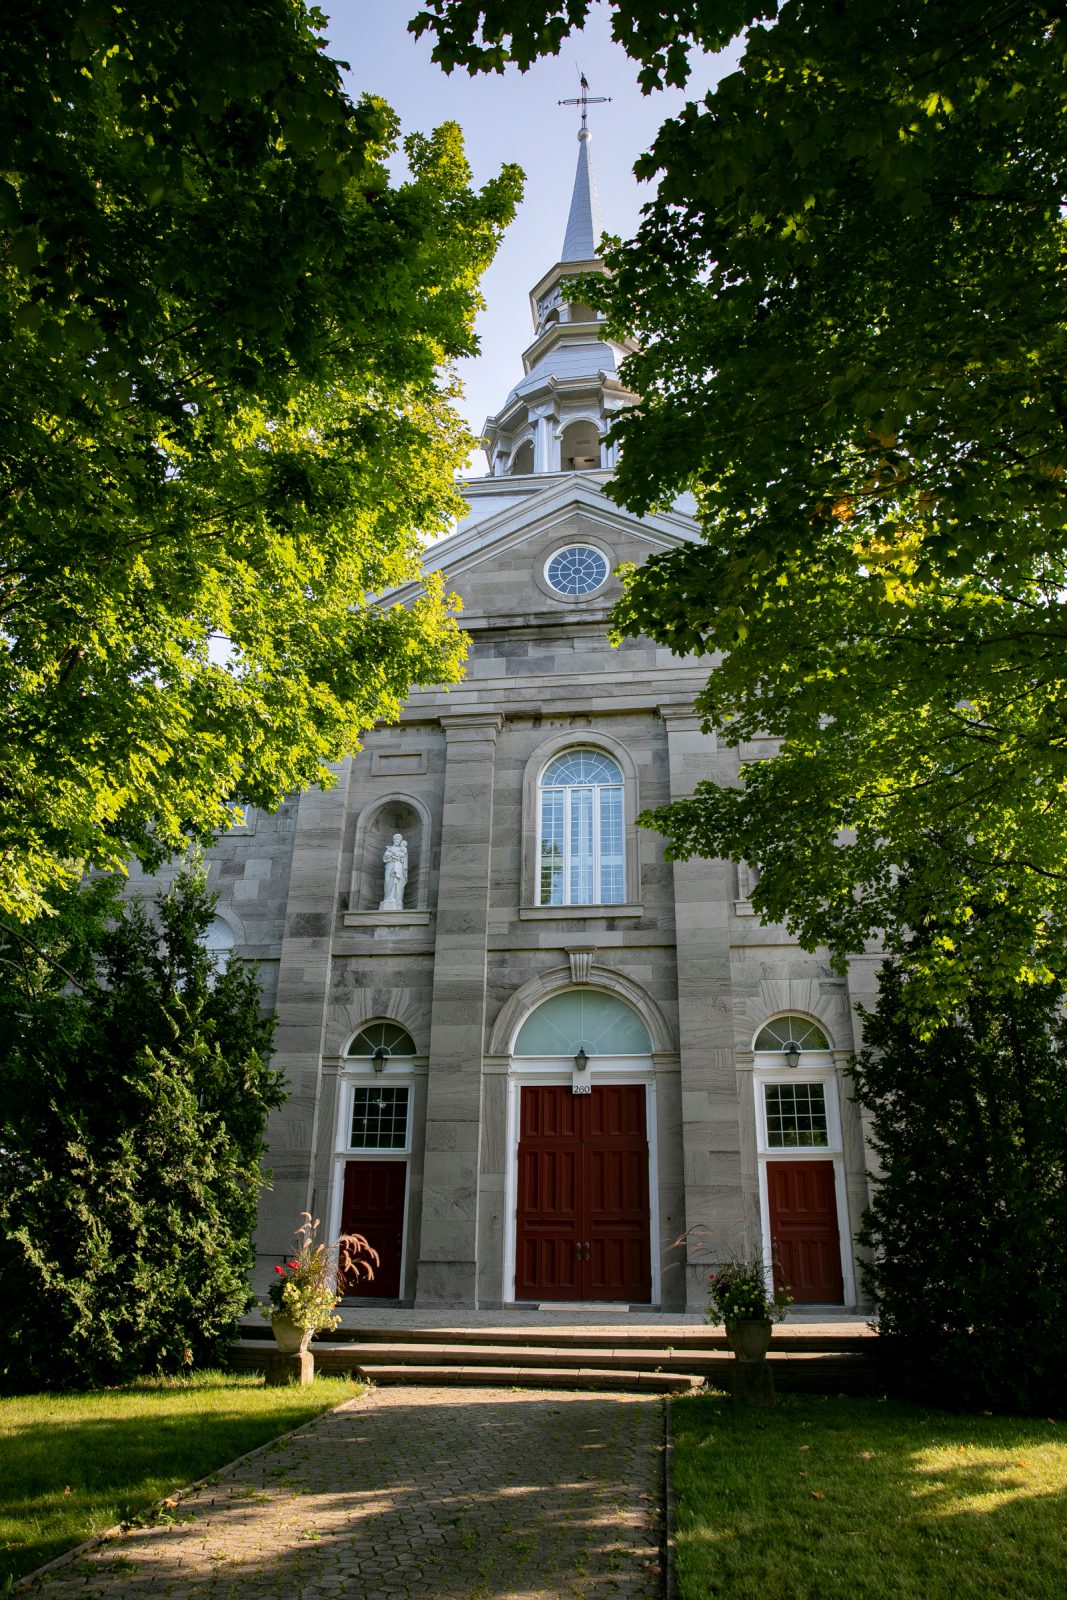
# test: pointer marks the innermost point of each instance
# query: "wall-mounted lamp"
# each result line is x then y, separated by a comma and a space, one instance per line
379, 1058
791, 1051
581, 1060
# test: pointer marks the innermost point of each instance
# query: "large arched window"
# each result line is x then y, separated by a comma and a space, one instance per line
581, 831
218, 941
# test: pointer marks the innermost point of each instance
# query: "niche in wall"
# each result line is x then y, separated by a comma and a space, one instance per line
379, 820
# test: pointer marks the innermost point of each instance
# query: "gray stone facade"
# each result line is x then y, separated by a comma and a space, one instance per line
474, 952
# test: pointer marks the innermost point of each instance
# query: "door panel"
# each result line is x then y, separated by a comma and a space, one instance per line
802, 1199
373, 1205
546, 1257
583, 1206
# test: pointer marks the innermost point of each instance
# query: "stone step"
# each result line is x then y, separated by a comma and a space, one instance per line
616, 1379
807, 1372
560, 1338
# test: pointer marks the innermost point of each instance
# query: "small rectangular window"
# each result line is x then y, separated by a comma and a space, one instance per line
380, 1118
796, 1116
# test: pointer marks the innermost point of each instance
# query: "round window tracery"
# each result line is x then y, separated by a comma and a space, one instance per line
576, 570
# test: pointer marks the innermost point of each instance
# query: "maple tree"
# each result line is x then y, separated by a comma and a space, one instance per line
227, 419
849, 293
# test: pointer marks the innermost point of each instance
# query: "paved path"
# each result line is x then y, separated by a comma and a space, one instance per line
429, 1493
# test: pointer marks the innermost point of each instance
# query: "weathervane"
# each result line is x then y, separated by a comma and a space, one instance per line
585, 99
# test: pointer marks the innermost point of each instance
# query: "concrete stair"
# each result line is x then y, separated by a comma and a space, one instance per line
667, 1362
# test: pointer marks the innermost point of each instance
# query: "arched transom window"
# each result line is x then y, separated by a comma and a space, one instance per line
378, 1037
581, 831
792, 1030
583, 1019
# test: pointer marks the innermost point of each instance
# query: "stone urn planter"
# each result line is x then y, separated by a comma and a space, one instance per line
749, 1340
289, 1336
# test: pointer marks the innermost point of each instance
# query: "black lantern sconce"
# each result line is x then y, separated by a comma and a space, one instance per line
581, 1060
791, 1051
379, 1058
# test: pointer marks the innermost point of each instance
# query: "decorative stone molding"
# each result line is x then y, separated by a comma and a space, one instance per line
577, 913
581, 960
386, 919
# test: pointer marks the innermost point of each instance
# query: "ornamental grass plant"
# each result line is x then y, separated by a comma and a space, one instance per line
307, 1288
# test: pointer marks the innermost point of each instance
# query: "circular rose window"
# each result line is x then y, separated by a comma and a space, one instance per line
577, 570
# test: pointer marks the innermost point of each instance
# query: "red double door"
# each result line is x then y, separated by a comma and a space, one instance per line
583, 1213
802, 1197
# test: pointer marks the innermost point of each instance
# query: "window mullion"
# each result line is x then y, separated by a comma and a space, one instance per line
597, 886
567, 846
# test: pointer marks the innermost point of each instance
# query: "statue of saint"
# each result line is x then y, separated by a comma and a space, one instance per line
396, 874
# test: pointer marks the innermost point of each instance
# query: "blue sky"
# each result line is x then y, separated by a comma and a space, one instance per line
515, 118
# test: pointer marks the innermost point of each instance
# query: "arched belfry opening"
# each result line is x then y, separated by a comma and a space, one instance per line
580, 447
523, 459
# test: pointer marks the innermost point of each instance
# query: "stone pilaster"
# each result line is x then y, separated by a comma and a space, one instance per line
710, 1134
447, 1273
294, 1132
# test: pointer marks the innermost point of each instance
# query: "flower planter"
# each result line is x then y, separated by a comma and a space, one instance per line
290, 1338
749, 1340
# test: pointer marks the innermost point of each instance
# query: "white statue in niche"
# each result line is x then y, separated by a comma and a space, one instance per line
396, 874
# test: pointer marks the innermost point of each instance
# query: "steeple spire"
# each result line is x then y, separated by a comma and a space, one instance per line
584, 224
556, 417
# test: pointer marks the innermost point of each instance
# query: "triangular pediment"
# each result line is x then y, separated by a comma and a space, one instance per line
567, 508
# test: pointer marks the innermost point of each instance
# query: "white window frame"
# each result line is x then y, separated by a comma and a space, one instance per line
567, 790
795, 1078
349, 1105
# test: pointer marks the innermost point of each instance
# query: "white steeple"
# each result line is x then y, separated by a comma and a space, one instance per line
584, 225
556, 416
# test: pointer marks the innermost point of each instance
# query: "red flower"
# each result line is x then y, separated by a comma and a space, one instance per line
281, 1270
295, 1266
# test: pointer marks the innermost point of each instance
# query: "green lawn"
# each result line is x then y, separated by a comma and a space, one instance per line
72, 1464
843, 1499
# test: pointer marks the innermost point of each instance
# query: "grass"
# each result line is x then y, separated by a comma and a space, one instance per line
73, 1464
848, 1499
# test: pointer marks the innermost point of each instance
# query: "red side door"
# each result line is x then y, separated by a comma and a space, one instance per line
583, 1211
802, 1198
373, 1205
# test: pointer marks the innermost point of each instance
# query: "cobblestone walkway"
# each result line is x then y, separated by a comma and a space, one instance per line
427, 1493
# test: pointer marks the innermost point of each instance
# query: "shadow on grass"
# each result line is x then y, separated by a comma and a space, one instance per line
74, 1464
847, 1499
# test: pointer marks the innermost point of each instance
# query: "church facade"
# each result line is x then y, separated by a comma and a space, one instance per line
526, 1054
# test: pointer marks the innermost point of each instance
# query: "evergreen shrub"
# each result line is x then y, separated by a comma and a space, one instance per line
134, 1093
967, 1227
